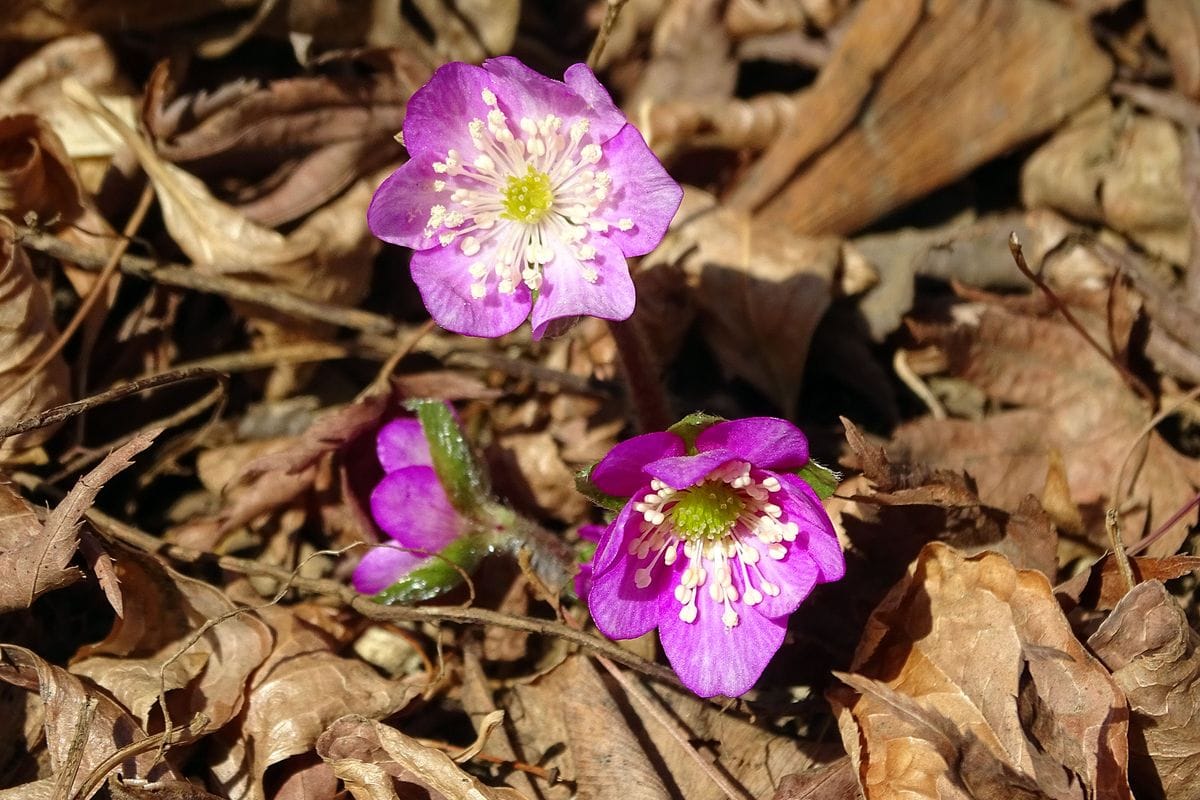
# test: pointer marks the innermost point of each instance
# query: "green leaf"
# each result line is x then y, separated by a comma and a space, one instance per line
463, 478
584, 485
692, 426
438, 574
822, 479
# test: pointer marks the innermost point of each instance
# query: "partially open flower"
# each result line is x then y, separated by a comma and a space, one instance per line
719, 542
409, 504
522, 193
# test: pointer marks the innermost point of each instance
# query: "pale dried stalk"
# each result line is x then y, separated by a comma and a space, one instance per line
734, 124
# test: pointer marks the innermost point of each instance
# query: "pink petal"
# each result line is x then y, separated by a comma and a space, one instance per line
437, 114
402, 443
642, 192
606, 118
411, 506
442, 276
620, 473
795, 575
711, 659
681, 472
399, 210
382, 567
765, 442
817, 536
623, 611
565, 292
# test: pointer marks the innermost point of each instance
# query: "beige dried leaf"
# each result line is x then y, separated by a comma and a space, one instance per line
1176, 25
968, 677
49, 19
368, 755
26, 333
163, 611
1154, 656
31, 563
294, 696
63, 696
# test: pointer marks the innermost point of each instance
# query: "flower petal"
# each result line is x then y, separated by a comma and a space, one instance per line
443, 277
712, 659
402, 443
411, 506
795, 575
523, 92
766, 442
615, 539
642, 192
623, 611
620, 473
680, 472
382, 567
606, 118
400, 207
801, 505
437, 114
566, 293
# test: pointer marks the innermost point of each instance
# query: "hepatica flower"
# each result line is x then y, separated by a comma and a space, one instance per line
719, 542
522, 193
409, 504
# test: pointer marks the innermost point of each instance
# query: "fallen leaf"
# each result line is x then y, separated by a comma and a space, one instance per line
1101, 586
833, 781
970, 683
1154, 656
1176, 25
368, 756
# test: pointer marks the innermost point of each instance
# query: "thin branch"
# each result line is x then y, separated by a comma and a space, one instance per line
606, 27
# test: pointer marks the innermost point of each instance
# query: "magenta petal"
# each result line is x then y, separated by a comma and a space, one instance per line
437, 114
442, 276
606, 118
795, 575
523, 92
817, 537
765, 442
565, 292
642, 192
615, 538
402, 443
411, 506
382, 567
620, 472
399, 210
680, 472
711, 659
623, 611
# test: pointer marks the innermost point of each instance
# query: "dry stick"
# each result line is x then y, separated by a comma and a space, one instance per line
917, 386
115, 529
185, 277
610, 20
70, 767
1112, 526
93, 296
1014, 246
68, 410
166, 738
406, 345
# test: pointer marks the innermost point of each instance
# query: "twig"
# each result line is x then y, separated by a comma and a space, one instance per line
406, 345
68, 410
185, 277
164, 739
610, 20
917, 386
1112, 525
1014, 246
70, 768
93, 296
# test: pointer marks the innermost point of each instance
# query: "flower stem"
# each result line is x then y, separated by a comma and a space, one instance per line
643, 377
610, 19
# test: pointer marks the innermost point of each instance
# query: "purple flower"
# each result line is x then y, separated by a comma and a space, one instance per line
409, 504
583, 578
521, 193
717, 545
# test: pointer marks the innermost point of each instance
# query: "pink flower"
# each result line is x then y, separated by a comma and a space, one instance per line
521, 193
718, 544
409, 504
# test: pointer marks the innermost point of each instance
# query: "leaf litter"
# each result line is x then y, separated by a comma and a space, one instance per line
175, 617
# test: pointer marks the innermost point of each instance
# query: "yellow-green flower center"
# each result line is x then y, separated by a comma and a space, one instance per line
706, 512
528, 198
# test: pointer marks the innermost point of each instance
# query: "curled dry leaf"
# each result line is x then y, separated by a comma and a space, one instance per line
63, 698
31, 563
1067, 397
26, 333
154, 647
1176, 25
371, 757
1117, 169
294, 696
35, 173
969, 679
1154, 656
1101, 586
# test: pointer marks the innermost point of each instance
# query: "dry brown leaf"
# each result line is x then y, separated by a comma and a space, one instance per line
296, 694
35, 172
1118, 169
63, 697
969, 679
163, 612
974, 79
1176, 25
535, 478
691, 57
26, 333
1068, 398
48, 19
833, 781
1154, 656
1101, 586
369, 756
